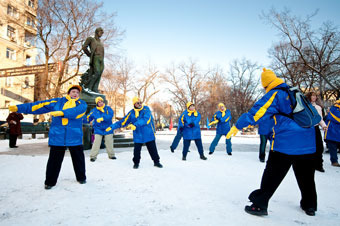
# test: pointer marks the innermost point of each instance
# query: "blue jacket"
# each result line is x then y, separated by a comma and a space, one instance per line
333, 123
194, 132
223, 125
60, 135
266, 126
145, 127
100, 127
288, 137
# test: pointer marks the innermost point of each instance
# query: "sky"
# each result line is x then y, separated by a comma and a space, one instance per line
210, 32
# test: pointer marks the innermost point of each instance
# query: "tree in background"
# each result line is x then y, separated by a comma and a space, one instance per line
186, 84
312, 54
62, 27
146, 85
244, 77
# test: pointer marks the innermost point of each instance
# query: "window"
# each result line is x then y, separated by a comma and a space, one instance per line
10, 53
11, 32
11, 11
31, 3
30, 21
9, 81
28, 60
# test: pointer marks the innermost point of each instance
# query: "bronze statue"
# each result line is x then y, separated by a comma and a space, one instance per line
91, 78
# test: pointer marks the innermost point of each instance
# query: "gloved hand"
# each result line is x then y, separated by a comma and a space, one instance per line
233, 131
99, 120
57, 113
108, 129
131, 126
191, 125
13, 108
213, 122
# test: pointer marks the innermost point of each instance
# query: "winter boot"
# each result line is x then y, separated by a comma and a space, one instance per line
48, 187
82, 181
157, 164
172, 150
309, 211
203, 157
254, 210
184, 158
135, 166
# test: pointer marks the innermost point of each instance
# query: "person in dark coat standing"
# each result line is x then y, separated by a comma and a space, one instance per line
14, 125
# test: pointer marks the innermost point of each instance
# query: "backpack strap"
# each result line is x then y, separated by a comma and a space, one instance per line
291, 98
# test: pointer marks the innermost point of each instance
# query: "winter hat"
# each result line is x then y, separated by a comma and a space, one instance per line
98, 99
267, 77
135, 100
78, 87
189, 104
220, 105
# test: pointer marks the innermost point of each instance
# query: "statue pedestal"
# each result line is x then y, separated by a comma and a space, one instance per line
90, 98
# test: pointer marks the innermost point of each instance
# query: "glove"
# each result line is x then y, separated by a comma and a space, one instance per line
131, 126
99, 120
57, 113
13, 108
233, 131
213, 122
191, 125
108, 129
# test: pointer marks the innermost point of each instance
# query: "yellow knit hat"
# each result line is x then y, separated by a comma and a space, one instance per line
267, 77
74, 87
221, 104
189, 104
98, 99
135, 100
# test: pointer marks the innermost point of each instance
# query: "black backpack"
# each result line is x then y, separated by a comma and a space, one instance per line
304, 113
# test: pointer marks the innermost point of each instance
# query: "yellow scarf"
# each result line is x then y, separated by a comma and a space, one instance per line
137, 111
273, 84
190, 112
71, 103
223, 112
101, 108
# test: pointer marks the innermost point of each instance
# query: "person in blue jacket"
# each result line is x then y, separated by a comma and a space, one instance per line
101, 116
291, 145
65, 132
222, 119
332, 134
140, 120
265, 132
189, 121
177, 138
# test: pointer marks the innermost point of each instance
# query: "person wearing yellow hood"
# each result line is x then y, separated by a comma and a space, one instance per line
189, 121
65, 132
222, 118
140, 120
291, 145
101, 116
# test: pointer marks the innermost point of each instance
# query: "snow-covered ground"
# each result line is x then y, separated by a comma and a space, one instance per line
192, 192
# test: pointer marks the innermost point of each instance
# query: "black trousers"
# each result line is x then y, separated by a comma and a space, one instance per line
55, 161
13, 140
152, 149
319, 148
277, 167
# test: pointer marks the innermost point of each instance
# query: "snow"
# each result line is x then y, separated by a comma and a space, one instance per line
185, 193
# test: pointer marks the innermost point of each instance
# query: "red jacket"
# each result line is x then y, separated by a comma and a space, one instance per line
13, 121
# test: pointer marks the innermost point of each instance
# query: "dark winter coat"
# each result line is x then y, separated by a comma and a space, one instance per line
14, 128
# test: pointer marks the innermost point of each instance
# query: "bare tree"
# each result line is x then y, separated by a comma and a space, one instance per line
62, 26
146, 86
187, 83
244, 86
318, 50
